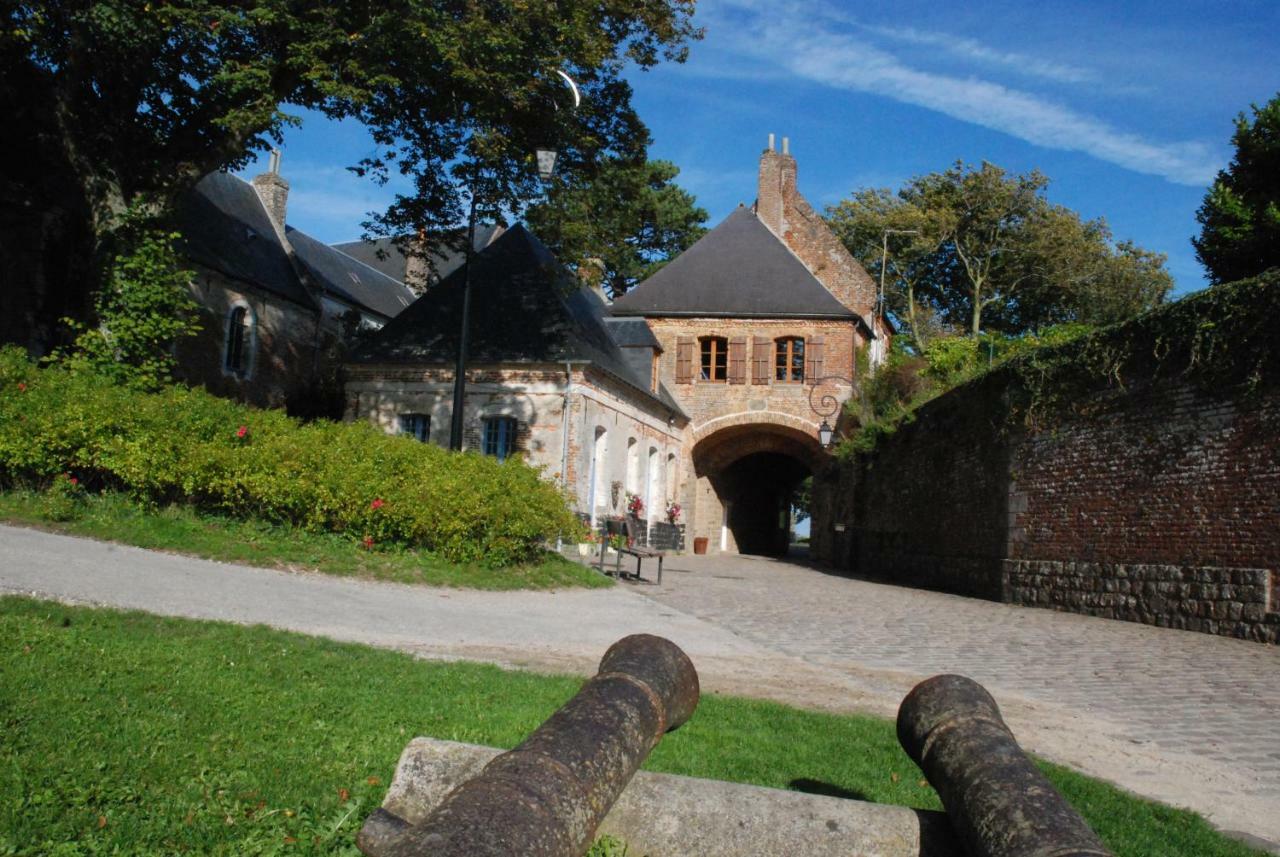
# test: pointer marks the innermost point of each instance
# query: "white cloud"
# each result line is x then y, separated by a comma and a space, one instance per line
971, 49
815, 44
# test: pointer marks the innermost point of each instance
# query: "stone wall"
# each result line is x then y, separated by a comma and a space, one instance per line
285, 352
535, 395
1133, 479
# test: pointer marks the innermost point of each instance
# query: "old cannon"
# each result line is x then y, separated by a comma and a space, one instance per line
999, 803
546, 797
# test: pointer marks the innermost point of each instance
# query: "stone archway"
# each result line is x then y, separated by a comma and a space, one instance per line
746, 473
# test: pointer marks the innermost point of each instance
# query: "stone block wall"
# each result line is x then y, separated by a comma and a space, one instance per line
1236, 602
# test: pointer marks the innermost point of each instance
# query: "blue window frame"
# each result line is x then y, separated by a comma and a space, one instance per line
499, 437
418, 425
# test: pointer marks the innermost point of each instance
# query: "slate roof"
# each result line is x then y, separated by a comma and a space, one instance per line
383, 255
632, 332
225, 227
740, 269
348, 279
525, 308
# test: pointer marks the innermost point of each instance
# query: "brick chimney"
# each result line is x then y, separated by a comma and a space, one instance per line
789, 216
273, 190
777, 187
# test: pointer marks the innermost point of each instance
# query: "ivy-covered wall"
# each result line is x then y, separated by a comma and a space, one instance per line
1133, 474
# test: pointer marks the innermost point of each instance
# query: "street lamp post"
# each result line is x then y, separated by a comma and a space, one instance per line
546, 160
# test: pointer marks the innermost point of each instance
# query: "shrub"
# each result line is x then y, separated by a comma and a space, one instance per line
183, 445
64, 501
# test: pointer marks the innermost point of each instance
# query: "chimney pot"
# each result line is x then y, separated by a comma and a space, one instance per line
786, 146
770, 142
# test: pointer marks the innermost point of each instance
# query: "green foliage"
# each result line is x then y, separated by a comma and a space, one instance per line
134, 101
144, 309
1220, 339
1240, 216
976, 249
619, 223
64, 500
128, 733
182, 445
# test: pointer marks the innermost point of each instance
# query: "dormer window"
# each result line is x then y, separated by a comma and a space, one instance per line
788, 359
715, 358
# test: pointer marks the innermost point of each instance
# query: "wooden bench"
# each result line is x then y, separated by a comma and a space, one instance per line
628, 528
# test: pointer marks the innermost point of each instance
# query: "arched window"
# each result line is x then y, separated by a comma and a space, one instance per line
671, 477
715, 358
789, 359
499, 437
632, 484
418, 425
599, 479
653, 477
237, 356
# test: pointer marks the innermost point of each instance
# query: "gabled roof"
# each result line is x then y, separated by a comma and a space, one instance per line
225, 227
740, 269
632, 333
348, 279
525, 308
384, 255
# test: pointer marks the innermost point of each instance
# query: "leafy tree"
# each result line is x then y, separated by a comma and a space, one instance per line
1240, 216
124, 101
970, 247
143, 310
627, 220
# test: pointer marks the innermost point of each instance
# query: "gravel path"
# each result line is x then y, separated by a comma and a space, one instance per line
1181, 717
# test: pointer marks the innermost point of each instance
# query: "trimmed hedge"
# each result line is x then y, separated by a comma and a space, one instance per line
184, 445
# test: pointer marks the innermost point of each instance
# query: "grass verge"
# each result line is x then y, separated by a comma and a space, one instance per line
131, 733
180, 529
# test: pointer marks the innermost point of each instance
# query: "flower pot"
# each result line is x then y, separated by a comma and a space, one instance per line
700, 544
584, 549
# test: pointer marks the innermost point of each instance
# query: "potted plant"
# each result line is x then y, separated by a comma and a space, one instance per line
587, 546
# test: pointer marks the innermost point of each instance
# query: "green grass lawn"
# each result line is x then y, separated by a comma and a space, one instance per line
133, 734
180, 529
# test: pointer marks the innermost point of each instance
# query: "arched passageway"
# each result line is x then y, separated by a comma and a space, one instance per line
747, 476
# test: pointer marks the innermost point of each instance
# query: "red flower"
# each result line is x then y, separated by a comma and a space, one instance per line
22, 387
368, 542
74, 481
377, 504
242, 432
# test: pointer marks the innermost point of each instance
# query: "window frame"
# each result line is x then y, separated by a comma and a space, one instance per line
788, 360
713, 356
424, 435
498, 436
240, 341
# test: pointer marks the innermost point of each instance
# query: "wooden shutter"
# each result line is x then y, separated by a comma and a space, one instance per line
761, 358
813, 360
684, 359
738, 360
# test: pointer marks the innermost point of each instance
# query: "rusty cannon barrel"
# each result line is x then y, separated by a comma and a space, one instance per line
546, 797
998, 801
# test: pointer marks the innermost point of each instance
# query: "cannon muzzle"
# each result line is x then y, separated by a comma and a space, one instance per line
546, 797
998, 801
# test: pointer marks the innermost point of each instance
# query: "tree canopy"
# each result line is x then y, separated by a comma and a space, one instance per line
1240, 216
625, 221
119, 101
974, 249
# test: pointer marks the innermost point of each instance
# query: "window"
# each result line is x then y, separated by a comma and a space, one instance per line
499, 437
715, 358
789, 359
238, 354
418, 425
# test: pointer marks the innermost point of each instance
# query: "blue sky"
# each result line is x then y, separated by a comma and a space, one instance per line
1126, 106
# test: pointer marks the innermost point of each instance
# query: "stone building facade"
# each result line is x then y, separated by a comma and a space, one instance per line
707, 385
276, 306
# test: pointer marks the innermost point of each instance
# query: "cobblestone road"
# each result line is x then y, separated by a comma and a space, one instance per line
1182, 692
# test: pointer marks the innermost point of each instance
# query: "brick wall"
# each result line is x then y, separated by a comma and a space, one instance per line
1157, 502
